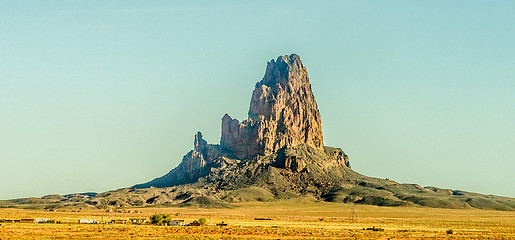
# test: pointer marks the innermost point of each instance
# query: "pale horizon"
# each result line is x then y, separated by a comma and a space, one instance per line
98, 96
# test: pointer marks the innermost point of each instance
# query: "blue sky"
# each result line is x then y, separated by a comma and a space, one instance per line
99, 95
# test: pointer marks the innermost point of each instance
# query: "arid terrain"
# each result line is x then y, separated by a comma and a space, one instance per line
271, 177
285, 219
277, 153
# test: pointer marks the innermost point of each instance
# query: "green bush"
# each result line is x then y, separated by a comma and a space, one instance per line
202, 221
160, 219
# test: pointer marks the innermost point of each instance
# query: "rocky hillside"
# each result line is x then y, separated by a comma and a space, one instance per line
277, 153
283, 118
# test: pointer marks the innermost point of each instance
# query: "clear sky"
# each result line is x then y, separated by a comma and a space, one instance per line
100, 95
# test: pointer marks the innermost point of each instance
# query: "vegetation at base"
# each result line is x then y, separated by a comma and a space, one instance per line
160, 219
290, 219
202, 221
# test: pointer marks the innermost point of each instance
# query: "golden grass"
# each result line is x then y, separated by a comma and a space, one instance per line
293, 219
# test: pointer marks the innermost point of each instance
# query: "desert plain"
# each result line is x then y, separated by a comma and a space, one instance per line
285, 219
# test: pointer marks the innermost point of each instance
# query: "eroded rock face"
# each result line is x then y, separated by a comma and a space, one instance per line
283, 113
196, 159
294, 163
194, 164
283, 132
337, 155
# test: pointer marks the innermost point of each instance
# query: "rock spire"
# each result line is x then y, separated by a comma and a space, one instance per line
283, 132
283, 113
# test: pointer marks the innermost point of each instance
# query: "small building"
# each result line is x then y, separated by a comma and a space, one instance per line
88, 221
176, 223
27, 220
137, 220
119, 221
195, 223
43, 220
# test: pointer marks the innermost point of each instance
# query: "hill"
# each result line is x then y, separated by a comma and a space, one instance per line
277, 153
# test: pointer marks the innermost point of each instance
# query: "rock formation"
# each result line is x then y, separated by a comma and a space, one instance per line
283, 113
277, 153
194, 164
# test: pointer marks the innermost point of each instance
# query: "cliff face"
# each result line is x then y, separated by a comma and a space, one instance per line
283, 131
283, 113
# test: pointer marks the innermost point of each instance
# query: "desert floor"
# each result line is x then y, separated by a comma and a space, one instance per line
290, 219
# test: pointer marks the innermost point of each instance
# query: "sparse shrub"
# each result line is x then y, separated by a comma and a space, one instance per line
202, 221
450, 231
374, 229
160, 219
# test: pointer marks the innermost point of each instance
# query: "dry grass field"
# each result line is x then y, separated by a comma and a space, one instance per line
292, 219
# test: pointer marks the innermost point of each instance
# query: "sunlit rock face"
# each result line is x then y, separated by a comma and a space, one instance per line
283, 132
283, 113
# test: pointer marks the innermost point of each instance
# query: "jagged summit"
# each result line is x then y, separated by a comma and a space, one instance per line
281, 70
282, 113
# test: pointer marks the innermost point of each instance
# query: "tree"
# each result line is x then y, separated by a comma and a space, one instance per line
202, 221
160, 219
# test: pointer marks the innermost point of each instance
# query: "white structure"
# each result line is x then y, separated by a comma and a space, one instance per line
176, 223
88, 221
42, 220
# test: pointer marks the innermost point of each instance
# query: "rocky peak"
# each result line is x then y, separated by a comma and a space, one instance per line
279, 71
200, 144
283, 131
282, 113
